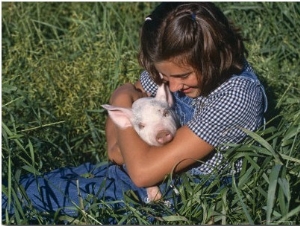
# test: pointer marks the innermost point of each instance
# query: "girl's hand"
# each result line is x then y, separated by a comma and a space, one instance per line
126, 94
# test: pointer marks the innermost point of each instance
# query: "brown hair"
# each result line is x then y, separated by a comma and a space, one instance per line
196, 34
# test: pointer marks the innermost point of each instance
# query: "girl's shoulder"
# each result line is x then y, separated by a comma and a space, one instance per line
241, 92
237, 86
244, 83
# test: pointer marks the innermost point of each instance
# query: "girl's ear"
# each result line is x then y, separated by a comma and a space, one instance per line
120, 116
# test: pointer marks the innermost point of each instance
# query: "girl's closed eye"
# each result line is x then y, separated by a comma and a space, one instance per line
184, 76
181, 76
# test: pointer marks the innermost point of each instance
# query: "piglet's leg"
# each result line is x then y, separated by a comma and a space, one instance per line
153, 193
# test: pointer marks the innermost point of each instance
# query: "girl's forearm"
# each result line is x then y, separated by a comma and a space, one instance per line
113, 150
134, 151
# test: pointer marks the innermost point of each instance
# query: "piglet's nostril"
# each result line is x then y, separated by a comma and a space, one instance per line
164, 136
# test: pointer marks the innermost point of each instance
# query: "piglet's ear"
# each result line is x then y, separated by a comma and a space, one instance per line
120, 116
164, 94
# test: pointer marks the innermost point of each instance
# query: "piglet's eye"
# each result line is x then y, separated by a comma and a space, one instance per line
141, 125
166, 113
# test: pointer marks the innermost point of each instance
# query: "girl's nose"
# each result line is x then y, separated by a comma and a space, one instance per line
175, 84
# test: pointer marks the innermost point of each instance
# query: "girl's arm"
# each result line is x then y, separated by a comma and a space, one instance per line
123, 96
148, 165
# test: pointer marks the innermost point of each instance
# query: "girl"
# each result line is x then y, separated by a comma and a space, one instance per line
195, 50
201, 57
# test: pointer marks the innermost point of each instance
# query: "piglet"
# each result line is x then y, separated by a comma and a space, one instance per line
153, 119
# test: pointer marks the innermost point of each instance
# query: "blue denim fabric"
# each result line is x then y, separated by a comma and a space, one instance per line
58, 189
183, 106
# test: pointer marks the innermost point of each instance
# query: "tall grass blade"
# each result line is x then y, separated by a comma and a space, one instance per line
263, 142
293, 212
244, 206
273, 180
174, 218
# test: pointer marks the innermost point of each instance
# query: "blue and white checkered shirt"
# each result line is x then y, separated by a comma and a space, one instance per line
238, 103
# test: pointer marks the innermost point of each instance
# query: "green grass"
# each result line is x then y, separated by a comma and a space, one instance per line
61, 61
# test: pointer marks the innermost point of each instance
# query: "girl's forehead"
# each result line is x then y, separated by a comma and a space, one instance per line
172, 68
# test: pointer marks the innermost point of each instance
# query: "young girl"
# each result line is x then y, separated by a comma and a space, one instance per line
201, 57
197, 52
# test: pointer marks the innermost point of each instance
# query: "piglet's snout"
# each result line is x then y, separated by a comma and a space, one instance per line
164, 136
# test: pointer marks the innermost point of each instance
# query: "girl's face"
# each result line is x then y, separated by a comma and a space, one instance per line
180, 78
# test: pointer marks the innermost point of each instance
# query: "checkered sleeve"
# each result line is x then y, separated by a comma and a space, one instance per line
219, 120
147, 83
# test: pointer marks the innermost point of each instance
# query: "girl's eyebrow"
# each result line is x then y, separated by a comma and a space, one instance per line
179, 75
